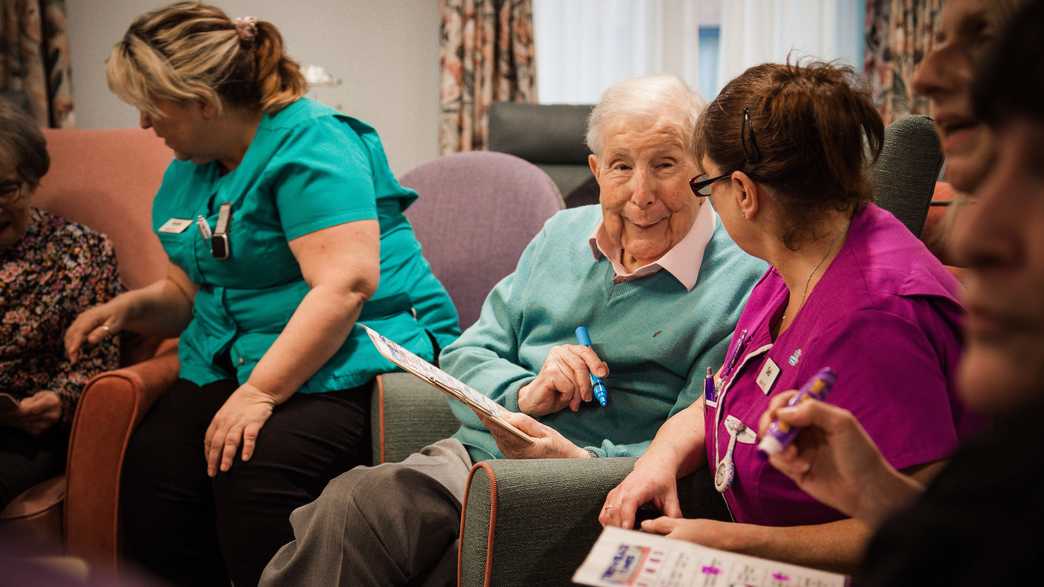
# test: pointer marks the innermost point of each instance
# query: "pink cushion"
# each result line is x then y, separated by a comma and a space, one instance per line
106, 179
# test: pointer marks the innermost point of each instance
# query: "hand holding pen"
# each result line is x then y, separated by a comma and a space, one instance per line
563, 381
598, 386
834, 460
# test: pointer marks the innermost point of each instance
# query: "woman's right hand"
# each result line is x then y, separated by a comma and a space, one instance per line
97, 324
646, 483
832, 459
564, 380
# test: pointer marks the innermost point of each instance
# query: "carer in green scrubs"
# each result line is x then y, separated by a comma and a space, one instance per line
284, 228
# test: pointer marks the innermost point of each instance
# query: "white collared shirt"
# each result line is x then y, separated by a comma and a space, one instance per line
682, 261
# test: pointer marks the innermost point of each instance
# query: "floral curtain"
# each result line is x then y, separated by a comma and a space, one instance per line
486, 56
899, 33
34, 59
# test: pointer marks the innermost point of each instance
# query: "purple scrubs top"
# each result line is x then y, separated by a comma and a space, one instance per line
885, 317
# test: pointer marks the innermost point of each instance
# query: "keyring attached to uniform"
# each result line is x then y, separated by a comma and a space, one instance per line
218, 240
725, 470
219, 245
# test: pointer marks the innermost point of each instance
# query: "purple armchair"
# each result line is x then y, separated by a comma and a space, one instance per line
476, 213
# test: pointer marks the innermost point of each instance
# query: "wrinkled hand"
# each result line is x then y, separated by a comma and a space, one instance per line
564, 380
237, 422
832, 459
549, 443
646, 483
710, 533
95, 325
35, 414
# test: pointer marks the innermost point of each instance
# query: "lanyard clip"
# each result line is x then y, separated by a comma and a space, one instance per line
219, 246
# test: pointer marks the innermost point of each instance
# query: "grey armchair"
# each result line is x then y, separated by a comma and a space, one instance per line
904, 175
551, 136
523, 522
533, 522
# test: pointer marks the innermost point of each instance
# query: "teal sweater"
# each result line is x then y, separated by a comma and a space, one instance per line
657, 338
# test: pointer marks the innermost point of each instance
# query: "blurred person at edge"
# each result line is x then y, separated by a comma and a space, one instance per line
966, 31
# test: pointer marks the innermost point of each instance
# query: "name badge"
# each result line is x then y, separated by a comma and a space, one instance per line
175, 225
768, 375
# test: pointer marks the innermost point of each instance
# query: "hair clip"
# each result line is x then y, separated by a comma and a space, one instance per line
246, 27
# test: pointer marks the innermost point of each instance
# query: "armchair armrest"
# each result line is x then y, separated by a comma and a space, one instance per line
533, 522
406, 415
110, 407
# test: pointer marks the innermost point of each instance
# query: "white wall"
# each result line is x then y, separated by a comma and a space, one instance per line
386, 52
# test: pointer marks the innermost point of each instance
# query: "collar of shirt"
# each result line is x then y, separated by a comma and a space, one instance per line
683, 261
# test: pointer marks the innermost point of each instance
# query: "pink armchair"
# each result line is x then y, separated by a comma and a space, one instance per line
104, 179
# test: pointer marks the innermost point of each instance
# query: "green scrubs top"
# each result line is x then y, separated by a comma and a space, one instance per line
308, 168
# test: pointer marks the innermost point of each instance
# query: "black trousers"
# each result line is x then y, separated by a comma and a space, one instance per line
26, 460
190, 529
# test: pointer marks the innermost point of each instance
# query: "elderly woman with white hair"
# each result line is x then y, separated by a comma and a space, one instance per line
649, 271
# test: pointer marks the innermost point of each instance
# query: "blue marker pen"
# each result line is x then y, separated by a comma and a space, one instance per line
779, 435
600, 391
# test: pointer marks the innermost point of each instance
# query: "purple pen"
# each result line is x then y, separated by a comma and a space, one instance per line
779, 434
710, 392
730, 360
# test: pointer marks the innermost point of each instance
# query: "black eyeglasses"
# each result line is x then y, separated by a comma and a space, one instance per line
701, 187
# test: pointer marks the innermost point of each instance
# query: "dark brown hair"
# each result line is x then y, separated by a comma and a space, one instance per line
22, 141
815, 129
192, 51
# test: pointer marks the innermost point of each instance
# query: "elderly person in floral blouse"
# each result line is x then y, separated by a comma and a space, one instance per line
50, 271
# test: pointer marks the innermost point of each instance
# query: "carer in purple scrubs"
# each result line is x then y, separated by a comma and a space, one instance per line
849, 287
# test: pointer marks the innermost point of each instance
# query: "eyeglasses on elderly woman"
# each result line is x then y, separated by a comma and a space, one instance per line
701, 187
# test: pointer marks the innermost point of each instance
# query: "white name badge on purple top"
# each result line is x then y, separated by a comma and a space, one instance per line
768, 375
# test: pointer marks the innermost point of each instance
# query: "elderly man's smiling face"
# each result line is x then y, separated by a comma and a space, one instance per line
643, 177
